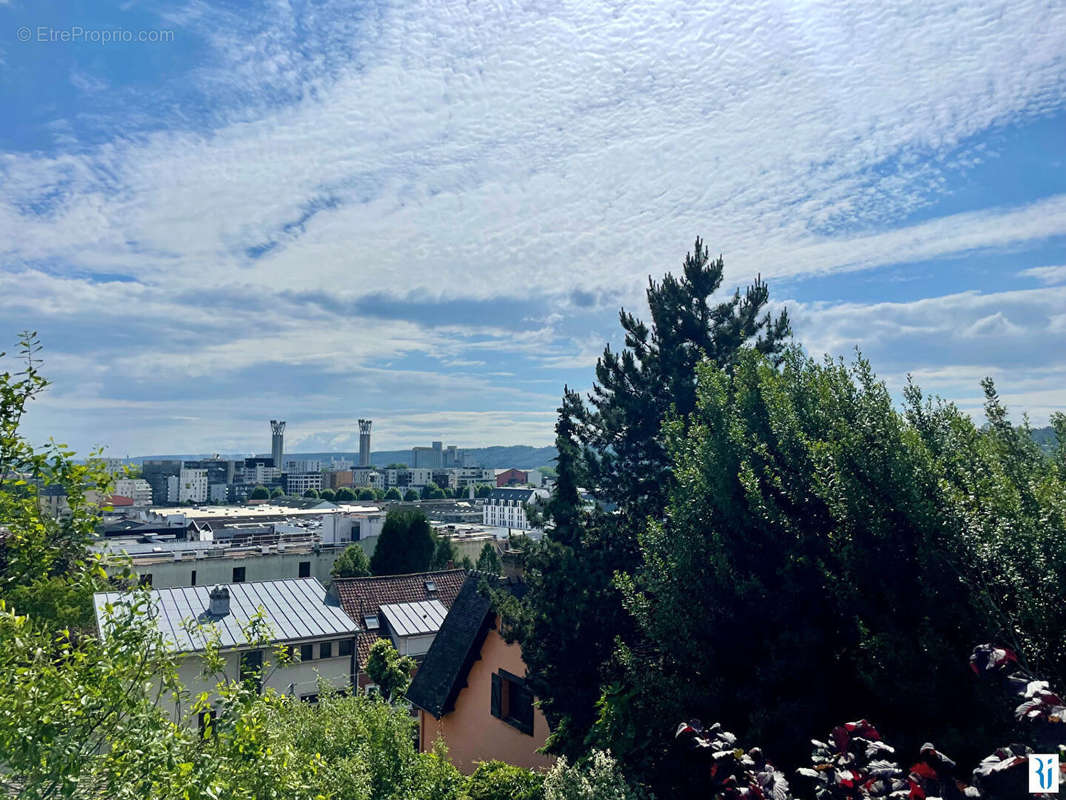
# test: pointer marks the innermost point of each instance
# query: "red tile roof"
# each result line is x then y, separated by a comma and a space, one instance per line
362, 596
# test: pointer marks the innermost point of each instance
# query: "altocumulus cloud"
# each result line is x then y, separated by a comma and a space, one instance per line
342, 158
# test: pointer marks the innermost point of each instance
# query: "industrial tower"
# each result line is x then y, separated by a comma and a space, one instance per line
364, 442
277, 441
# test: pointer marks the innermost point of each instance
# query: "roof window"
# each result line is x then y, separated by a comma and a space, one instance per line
371, 621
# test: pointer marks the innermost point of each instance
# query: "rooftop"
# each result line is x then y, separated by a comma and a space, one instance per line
457, 645
363, 597
295, 610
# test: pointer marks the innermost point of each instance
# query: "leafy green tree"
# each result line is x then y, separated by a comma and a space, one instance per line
496, 780
597, 777
312, 493
389, 670
410, 495
259, 493
432, 492
366, 494
393, 494
484, 490
444, 553
328, 494
277, 491
406, 544
47, 570
363, 750
379, 494
842, 552
613, 447
396, 465
488, 559
352, 563
344, 495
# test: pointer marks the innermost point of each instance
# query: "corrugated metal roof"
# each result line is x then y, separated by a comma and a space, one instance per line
413, 619
295, 609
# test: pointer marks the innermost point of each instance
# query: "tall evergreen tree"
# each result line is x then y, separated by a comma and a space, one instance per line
406, 544
612, 446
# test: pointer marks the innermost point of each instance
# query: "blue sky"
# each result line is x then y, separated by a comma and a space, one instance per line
429, 214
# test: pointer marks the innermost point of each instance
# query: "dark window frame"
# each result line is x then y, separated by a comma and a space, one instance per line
325, 650
512, 701
345, 647
304, 569
307, 652
239, 575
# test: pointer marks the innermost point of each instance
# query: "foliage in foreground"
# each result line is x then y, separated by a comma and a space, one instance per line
855, 763
496, 780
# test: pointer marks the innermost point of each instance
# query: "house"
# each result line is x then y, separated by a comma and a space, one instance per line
299, 614
506, 508
471, 690
408, 610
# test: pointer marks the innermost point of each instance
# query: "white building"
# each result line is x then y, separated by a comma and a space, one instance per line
411, 478
192, 486
299, 482
218, 492
137, 489
303, 465
506, 508
298, 612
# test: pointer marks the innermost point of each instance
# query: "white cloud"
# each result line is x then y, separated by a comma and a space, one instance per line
484, 152
1046, 274
949, 343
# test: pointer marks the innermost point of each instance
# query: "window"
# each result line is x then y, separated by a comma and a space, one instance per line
252, 668
371, 621
305, 569
192, 580
309, 698
512, 701
325, 650
344, 647
307, 652
145, 580
238, 574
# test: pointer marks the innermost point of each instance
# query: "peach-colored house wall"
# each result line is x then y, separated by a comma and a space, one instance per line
471, 732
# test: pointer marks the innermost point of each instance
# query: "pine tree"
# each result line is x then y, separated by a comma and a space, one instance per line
612, 446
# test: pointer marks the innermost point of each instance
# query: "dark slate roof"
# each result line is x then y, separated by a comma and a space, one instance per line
521, 495
360, 597
457, 645
296, 609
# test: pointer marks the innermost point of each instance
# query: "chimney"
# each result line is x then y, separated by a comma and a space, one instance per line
219, 606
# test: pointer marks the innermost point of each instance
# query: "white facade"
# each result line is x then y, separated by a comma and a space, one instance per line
506, 508
303, 465
299, 679
411, 478
300, 482
137, 489
371, 478
192, 486
470, 476
341, 528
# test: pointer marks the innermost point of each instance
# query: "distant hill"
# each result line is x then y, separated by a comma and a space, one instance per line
521, 456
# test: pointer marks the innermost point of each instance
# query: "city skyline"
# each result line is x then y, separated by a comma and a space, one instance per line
433, 214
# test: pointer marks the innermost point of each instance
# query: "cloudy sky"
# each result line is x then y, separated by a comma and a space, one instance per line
429, 214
